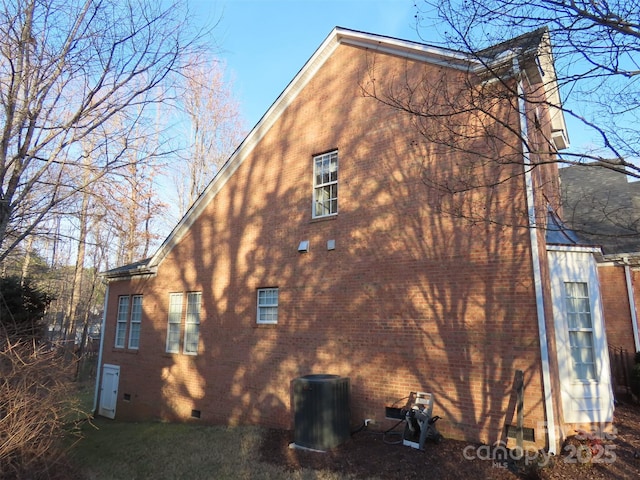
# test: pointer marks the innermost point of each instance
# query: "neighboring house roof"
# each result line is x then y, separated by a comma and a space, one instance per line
534, 60
603, 207
128, 270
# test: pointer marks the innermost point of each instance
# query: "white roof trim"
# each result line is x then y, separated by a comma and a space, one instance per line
573, 248
408, 49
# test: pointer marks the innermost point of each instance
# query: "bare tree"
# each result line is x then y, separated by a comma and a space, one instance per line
67, 68
529, 72
130, 203
596, 50
213, 128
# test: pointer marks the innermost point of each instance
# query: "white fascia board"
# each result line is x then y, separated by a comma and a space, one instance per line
621, 256
573, 248
408, 49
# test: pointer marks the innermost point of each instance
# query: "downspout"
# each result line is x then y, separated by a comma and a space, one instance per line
537, 271
98, 368
632, 305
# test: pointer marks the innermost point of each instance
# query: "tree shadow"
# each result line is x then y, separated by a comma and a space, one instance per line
413, 297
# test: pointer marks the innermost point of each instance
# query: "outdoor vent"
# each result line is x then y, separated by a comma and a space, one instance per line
195, 413
303, 246
126, 397
528, 434
321, 411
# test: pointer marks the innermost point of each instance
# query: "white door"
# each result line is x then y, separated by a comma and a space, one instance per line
583, 357
109, 390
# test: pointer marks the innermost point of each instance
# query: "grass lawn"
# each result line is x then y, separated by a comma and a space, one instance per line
116, 450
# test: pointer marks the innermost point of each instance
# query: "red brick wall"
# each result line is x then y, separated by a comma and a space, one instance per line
414, 296
615, 302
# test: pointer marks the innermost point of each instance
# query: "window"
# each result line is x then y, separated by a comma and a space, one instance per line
121, 323
325, 184
136, 318
192, 323
173, 326
580, 331
268, 305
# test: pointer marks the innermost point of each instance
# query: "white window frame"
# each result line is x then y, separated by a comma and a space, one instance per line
174, 321
135, 322
579, 309
121, 321
267, 308
325, 184
192, 323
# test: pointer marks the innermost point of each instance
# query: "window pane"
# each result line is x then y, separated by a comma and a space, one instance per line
333, 168
193, 307
136, 308
580, 326
120, 336
192, 323
175, 307
325, 170
268, 314
577, 290
191, 336
123, 308
333, 206
134, 336
173, 338
173, 322
121, 322
136, 318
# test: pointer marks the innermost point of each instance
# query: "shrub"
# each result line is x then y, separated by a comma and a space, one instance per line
37, 403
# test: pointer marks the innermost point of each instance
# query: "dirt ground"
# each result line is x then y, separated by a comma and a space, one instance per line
369, 454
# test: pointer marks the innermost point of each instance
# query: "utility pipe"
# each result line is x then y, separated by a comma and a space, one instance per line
99, 366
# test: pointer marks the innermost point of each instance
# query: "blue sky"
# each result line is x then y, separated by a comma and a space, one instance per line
266, 42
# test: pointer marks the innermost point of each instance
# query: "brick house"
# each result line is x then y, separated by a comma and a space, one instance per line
323, 246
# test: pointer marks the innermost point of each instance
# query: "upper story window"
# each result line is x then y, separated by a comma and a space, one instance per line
325, 184
267, 305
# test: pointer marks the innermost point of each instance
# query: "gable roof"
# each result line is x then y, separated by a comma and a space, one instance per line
498, 55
